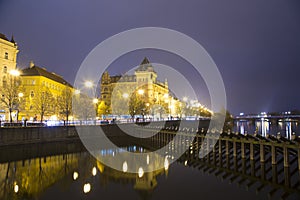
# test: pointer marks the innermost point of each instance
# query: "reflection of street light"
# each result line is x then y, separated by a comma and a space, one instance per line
185, 99
87, 188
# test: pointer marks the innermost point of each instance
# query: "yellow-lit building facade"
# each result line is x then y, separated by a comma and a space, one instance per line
35, 80
8, 62
144, 79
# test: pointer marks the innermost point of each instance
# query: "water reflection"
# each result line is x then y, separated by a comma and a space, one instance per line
30, 178
264, 126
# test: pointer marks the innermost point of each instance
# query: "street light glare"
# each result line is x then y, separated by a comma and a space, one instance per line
141, 91
15, 72
95, 101
125, 95
20, 94
88, 84
77, 92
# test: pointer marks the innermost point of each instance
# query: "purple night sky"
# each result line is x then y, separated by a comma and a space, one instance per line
255, 44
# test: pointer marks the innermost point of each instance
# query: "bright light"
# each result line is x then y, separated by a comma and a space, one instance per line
185, 99
88, 84
16, 188
147, 104
125, 95
125, 166
75, 176
77, 92
14, 72
148, 159
185, 163
86, 188
241, 114
94, 171
20, 94
95, 101
141, 92
166, 96
166, 164
141, 172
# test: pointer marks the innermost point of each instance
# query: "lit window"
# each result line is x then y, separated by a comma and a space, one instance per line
6, 55
33, 82
31, 94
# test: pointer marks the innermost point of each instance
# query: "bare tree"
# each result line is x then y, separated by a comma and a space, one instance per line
64, 103
44, 102
10, 93
83, 107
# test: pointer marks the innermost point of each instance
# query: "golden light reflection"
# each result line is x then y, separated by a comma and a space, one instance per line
125, 167
86, 188
16, 187
166, 164
94, 171
75, 176
141, 172
148, 159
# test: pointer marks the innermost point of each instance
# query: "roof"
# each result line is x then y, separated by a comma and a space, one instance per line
2, 36
145, 66
38, 71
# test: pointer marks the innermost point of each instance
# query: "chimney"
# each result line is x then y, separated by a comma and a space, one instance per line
31, 64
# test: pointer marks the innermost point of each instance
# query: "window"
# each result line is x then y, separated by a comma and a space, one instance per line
105, 89
6, 55
31, 94
4, 69
104, 97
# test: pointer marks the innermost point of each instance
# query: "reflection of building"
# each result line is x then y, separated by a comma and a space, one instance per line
36, 80
8, 61
144, 78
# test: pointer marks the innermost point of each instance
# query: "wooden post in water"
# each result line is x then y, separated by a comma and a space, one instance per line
262, 152
273, 155
234, 148
251, 151
243, 150
227, 147
286, 156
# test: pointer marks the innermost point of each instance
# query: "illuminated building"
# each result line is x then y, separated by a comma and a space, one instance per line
145, 83
36, 80
8, 62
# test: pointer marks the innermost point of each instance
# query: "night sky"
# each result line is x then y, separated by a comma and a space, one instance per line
254, 43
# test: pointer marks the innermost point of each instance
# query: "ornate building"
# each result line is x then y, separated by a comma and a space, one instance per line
8, 62
144, 81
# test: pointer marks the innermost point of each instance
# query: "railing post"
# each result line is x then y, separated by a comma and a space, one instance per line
251, 151
273, 155
262, 152
243, 149
234, 148
286, 156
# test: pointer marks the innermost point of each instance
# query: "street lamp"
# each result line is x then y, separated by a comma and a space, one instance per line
141, 92
88, 84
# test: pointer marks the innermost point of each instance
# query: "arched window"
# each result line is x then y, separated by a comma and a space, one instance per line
31, 94
6, 55
4, 69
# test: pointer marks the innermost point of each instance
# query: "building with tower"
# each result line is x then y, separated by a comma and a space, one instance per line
144, 82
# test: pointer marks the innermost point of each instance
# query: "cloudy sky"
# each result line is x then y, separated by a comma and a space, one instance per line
254, 43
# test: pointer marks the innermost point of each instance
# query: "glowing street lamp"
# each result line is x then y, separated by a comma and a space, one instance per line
14, 72
95, 101
141, 92
125, 95
88, 84
77, 92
